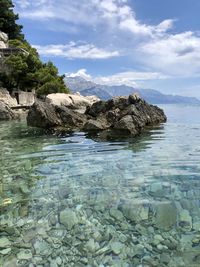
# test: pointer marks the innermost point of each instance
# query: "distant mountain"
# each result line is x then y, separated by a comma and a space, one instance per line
78, 84
104, 92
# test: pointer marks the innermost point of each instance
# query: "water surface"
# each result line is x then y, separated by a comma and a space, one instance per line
86, 201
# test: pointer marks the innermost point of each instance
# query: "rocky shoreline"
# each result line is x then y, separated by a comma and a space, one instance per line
130, 115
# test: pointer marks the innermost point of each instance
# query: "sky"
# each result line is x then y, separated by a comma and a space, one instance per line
143, 43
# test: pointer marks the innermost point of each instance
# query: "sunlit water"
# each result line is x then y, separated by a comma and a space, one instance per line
80, 201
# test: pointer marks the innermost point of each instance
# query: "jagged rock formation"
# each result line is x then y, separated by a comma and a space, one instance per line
6, 102
3, 40
6, 97
125, 114
6, 112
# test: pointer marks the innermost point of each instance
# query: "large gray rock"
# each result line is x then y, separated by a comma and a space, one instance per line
126, 114
6, 112
45, 115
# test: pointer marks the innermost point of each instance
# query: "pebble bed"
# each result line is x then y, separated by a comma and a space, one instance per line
75, 201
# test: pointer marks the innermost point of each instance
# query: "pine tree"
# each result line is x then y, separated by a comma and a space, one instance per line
25, 71
8, 20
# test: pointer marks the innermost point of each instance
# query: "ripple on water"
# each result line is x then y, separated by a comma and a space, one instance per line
80, 200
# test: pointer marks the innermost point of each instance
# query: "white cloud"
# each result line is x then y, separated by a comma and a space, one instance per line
80, 73
177, 54
130, 78
115, 13
76, 51
113, 29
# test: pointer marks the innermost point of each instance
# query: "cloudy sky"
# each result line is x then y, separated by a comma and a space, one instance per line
144, 43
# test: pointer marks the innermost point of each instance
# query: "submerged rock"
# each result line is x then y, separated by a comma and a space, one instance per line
166, 215
24, 255
185, 220
4, 242
125, 114
68, 218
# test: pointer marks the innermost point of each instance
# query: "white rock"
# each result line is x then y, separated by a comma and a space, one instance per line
4, 242
3, 40
24, 254
6, 98
76, 101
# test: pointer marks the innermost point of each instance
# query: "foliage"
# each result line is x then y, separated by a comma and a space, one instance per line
49, 81
7, 20
24, 70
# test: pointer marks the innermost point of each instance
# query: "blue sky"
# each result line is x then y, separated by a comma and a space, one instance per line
143, 43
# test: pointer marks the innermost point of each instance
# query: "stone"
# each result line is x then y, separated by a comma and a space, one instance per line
70, 118
126, 124
185, 220
156, 189
5, 251
196, 226
4, 242
68, 218
136, 211
42, 248
158, 239
7, 98
117, 214
166, 215
43, 115
3, 40
6, 112
96, 125
24, 254
165, 258
97, 108
116, 247
129, 115
91, 245
74, 101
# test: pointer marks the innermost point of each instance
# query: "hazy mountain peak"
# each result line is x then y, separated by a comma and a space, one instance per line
79, 84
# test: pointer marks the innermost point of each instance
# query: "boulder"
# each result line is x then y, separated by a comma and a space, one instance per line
129, 115
74, 101
165, 215
70, 118
43, 115
6, 97
6, 112
3, 40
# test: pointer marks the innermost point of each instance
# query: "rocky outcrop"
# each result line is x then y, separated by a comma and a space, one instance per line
6, 112
6, 98
6, 102
124, 114
3, 40
48, 116
73, 101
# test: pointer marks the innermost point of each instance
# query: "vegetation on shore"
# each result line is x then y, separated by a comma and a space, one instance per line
25, 71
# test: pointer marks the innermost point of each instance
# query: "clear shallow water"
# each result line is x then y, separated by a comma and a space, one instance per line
83, 201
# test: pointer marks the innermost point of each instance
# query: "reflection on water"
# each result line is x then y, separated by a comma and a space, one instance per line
102, 201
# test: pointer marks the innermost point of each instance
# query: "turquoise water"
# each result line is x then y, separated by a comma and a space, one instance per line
87, 201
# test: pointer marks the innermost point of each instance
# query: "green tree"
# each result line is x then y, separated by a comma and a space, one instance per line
24, 70
8, 20
49, 81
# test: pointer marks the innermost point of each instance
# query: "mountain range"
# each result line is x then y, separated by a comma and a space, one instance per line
104, 92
